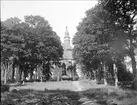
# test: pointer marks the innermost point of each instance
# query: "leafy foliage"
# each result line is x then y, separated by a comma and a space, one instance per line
50, 97
33, 43
4, 88
106, 34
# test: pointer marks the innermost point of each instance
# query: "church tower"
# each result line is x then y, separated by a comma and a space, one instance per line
67, 56
67, 45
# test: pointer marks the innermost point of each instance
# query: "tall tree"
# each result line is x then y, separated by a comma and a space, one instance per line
9, 44
49, 45
99, 37
124, 16
33, 43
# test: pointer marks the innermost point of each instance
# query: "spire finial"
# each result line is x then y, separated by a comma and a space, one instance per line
66, 27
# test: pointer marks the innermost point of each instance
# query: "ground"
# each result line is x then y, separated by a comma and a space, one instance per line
83, 92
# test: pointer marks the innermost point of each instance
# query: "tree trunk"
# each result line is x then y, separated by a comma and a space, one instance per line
5, 76
133, 62
13, 72
24, 76
95, 76
31, 75
105, 78
36, 74
6, 69
58, 78
41, 79
73, 74
4, 73
115, 74
20, 75
41, 72
17, 73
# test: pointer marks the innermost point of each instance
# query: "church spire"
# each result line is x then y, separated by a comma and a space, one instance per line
66, 33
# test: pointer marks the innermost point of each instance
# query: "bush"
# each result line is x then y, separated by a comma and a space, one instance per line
123, 74
2, 81
20, 81
45, 89
65, 77
4, 88
14, 90
37, 80
31, 80
7, 101
9, 81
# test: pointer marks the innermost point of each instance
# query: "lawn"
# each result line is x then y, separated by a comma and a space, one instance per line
35, 97
111, 96
64, 93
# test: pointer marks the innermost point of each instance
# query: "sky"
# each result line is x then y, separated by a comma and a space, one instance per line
59, 14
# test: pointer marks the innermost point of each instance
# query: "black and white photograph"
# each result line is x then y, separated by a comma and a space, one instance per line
68, 52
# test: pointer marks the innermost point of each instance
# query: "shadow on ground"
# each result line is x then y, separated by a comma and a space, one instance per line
93, 96
104, 96
47, 97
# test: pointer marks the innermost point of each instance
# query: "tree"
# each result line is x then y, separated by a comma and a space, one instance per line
14, 39
33, 43
11, 22
8, 47
124, 16
49, 45
91, 40
100, 38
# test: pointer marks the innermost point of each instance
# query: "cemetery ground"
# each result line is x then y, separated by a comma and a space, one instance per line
82, 92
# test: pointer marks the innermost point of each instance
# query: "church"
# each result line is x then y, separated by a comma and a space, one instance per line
67, 59
67, 55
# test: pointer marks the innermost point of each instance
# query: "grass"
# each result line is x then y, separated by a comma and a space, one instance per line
100, 95
47, 97
4, 88
65, 97
105, 97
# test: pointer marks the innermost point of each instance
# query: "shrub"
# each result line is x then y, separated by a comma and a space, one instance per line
7, 101
9, 81
4, 88
2, 81
37, 80
45, 89
14, 90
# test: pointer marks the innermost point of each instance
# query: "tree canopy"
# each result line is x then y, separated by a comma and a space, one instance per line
107, 34
33, 42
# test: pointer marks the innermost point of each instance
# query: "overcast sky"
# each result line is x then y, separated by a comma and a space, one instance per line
57, 13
